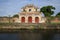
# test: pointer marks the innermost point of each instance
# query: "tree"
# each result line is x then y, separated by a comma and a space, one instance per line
47, 11
16, 15
58, 14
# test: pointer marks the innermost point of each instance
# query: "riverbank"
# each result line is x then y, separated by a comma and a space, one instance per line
30, 31
10, 27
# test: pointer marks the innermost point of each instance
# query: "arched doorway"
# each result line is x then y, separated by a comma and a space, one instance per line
22, 19
29, 19
36, 19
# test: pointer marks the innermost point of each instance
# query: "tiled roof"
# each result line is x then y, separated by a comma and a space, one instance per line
30, 5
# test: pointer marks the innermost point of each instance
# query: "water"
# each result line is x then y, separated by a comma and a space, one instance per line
9, 36
56, 37
17, 36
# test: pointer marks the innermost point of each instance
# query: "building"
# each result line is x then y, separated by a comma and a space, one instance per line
30, 14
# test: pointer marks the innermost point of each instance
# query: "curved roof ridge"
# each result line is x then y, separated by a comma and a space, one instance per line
30, 5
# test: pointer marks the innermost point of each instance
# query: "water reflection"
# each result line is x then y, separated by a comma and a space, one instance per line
8, 36
56, 37
17, 36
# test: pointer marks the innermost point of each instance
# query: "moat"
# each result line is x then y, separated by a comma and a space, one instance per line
29, 32
31, 35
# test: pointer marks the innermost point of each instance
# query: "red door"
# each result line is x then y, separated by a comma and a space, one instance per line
29, 19
23, 20
36, 20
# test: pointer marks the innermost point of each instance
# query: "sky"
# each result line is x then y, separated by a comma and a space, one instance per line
11, 7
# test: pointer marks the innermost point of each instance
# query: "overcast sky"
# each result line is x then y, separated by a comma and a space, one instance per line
11, 7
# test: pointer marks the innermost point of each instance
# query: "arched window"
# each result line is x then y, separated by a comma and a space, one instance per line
36, 19
29, 19
22, 19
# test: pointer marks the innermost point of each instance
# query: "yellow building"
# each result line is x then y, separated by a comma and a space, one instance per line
30, 14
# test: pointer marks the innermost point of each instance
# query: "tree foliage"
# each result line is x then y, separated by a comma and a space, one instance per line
47, 10
58, 14
16, 15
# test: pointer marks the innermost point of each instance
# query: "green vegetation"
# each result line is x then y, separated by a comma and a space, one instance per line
48, 11
58, 15
16, 15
